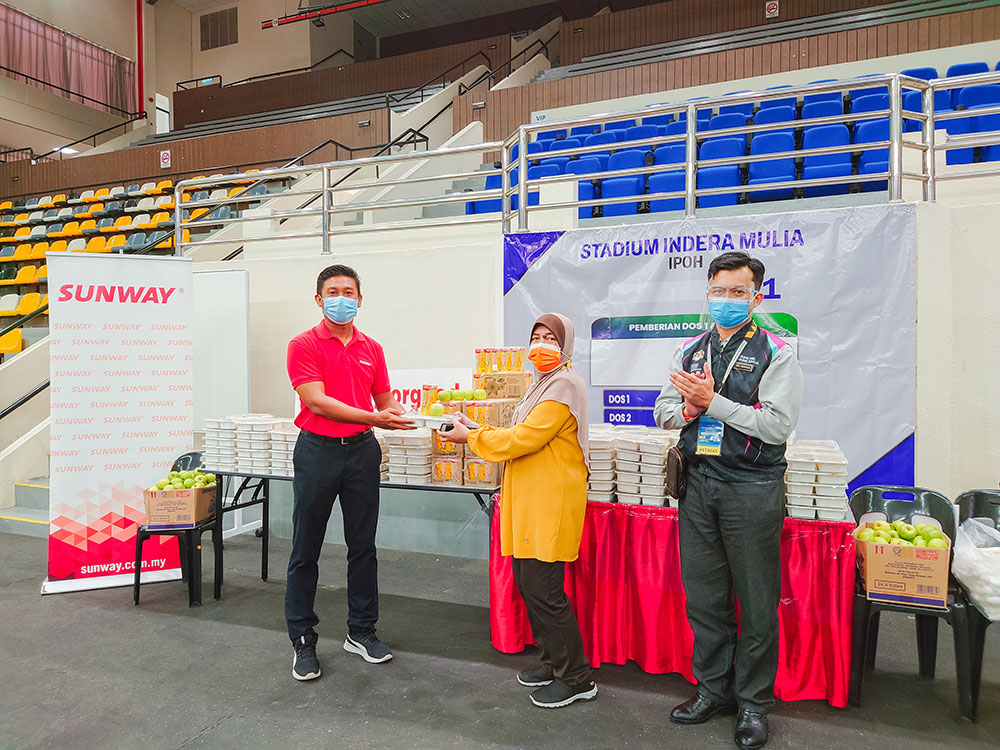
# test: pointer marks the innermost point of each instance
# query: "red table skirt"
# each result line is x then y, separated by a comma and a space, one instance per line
627, 594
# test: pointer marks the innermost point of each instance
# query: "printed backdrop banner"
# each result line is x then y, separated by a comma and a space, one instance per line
839, 288
121, 411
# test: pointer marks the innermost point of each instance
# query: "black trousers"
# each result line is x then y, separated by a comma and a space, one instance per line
324, 470
729, 538
553, 623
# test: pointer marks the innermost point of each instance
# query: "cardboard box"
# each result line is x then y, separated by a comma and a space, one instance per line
497, 412
442, 447
902, 574
446, 470
480, 473
502, 384
178, 509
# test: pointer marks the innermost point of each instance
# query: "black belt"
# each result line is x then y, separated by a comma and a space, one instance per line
340, 440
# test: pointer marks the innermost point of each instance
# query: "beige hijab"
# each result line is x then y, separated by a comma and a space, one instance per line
563, 385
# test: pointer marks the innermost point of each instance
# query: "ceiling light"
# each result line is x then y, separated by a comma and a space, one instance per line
68, 150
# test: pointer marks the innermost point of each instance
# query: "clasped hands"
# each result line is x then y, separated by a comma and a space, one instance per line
697, 389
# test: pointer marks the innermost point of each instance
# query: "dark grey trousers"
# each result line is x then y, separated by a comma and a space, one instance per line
556, 631
729, 538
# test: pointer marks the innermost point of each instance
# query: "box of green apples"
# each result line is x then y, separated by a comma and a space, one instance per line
180, 501
904, 563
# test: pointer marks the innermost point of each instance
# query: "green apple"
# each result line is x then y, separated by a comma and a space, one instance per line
919, 541
900, 542
210, 478
462, 395
162, 484
154, 488
480, 394
177, 484
436, 410
173, 475
445, 396
921, 526
882, 538
881, 526
906, 531
893, 534
937, 543
931, 532
188, 483
866, 535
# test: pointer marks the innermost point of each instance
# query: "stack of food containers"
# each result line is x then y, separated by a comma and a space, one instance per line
383, 446
283, 439
253, 442
628, 467
601, 486
652, 468
816, 480
410, 457
220, 444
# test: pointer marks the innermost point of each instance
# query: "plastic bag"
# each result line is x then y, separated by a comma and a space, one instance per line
977, 564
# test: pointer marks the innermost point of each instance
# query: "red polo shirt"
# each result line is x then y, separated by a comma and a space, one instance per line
351, 374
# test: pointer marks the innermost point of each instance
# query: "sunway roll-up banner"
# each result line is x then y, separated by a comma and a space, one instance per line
121, 411
839, 288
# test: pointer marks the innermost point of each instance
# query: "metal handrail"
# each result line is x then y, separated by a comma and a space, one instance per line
133, 118
25, 398
180, 85
290, 71
67, 91
490, 75
394, 98
24, 319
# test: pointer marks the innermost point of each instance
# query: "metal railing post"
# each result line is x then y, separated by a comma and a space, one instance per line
178, 215
326, 210
522, 180
930, 155
895, 139
504, 187
691, 152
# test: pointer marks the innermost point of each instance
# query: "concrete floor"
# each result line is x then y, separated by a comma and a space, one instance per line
89, 670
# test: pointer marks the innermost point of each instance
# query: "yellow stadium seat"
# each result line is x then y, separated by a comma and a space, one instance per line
28, 304
247, 182
11, 343
195, 214
117, 241
45, 302
164, 186
58, 200
38, 250
23, 252
25, 275
70, 229
19, 236
43, 274
21, 219
89, 224
59, 246
11, 258
6, 205
161, 218
123, 224
98, 196
98, 244
168, 241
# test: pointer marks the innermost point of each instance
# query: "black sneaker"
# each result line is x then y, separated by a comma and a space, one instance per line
537, 677
558, 694
368, 646
305, 665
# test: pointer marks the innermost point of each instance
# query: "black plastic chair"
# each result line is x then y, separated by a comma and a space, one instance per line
871, 499
189, 541
983, 504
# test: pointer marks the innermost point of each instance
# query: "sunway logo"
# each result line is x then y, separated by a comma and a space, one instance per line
133, 294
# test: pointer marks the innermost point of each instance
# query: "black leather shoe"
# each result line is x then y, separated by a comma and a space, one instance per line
751, 729
699, 709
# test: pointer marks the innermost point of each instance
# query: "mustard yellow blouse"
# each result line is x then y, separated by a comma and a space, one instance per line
544, 487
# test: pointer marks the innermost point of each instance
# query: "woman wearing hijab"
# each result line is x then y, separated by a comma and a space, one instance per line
543, 501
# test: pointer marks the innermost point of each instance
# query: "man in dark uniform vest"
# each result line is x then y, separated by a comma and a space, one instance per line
735, 392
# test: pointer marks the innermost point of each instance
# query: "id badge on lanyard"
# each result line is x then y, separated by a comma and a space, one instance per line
711, 430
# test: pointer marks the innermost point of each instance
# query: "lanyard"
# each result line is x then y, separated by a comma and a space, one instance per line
732, 363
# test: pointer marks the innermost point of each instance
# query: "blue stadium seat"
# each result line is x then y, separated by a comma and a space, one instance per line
597, 140
830, 96
488, 206
825, 108
550, 135
666, 182
620, 187
536, 173
627, 160
772, 170
585, 188
721, 176
869, 91
703, 114
826, 165
658, 120
869, 103
743, 109
640, 132
964, 69
620, 125
729, 120
775, 114
924, 74
555, 147
912, 102
970, 98
582, 131
790, 101
534, 147
873, 160
675, 128
670, 153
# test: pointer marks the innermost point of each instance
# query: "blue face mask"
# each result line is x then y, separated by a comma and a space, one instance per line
340, 310
729, 313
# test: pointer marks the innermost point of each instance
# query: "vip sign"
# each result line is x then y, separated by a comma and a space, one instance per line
122, 411
771, 9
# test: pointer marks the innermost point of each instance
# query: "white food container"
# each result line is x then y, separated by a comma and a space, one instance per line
800, 500
418, 479
412, 460
629, 499
602, 476
256, 455
601, 455
796, 488
838, 491
627, 488
601, 466
394, 478
601, 442
629, 477
601, 487
648, 488
652, 471
626, 443
653, 459
628, 455
418, 469
801, 477
823, 501
832, 514
796, 511
600, 497
824, 445
621, 466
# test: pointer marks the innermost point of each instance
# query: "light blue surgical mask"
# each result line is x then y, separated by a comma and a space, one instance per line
340, 310
728, 312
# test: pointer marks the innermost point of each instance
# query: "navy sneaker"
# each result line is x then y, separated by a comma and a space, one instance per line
367, 645
540, 676
305, 665
558, 694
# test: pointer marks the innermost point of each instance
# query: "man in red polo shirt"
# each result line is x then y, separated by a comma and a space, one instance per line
338, 373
